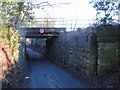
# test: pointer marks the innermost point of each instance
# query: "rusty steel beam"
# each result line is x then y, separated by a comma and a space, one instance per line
41, 35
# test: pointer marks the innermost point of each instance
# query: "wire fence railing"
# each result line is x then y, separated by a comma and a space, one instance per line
57, 23
69, 24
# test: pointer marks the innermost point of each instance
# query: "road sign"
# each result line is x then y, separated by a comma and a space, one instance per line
42, 30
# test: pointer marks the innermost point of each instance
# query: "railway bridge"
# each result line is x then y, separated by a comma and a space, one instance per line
42, 27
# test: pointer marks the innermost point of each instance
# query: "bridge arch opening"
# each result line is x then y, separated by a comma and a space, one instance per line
49, 37
42, 45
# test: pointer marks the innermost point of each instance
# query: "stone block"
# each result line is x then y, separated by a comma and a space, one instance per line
102, 69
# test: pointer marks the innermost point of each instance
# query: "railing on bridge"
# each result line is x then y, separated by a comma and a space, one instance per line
57, 23
44, 23
69, 24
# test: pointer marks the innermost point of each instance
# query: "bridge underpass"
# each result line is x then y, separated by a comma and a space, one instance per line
47, 38
50, 34
45, 74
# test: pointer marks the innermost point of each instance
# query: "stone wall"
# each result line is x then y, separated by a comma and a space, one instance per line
22, 49
107, 49
77, 49
85, 50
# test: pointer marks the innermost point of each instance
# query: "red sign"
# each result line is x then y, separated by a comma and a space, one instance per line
42, 30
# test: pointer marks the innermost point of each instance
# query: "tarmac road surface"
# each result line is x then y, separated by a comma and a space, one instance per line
44, 74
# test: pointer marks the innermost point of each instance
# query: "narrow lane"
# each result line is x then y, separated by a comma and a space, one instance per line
44, 74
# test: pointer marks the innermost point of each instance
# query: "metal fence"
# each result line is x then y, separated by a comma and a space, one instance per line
69, 24
57, 23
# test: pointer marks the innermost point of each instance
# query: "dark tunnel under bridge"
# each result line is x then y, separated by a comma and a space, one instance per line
50, 34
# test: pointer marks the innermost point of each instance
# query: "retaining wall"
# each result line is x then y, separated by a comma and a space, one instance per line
87, 51
78, 49
22, 49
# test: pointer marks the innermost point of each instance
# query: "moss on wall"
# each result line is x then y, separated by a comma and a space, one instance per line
107, 49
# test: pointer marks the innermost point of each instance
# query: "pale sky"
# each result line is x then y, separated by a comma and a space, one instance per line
78, 9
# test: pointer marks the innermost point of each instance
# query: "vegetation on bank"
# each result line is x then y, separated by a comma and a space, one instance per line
11, 16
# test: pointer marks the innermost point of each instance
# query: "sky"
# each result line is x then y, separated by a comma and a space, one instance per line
80, 10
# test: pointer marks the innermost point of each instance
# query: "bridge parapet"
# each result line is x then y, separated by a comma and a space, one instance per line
35, 32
